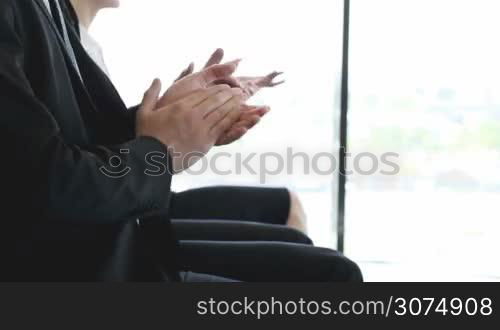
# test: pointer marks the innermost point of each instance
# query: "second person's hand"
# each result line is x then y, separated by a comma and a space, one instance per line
199, 80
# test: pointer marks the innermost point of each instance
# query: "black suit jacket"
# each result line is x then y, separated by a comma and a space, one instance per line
62, 218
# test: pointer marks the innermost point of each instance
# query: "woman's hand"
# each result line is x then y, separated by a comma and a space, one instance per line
250, 116
249, 85
200, 80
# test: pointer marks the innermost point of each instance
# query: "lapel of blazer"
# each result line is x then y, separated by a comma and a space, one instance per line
99, 86
52, 24
94, 76
101, 93
62, 45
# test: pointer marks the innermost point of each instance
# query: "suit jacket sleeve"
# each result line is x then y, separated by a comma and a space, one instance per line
68, 182
131, 117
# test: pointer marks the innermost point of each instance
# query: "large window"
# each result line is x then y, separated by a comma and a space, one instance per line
425, 83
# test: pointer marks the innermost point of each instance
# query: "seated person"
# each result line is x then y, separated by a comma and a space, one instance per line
276, 206
63, 121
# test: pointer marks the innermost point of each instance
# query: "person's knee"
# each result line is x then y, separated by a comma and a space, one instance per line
297, 236
353, 272
343, 269
297, 218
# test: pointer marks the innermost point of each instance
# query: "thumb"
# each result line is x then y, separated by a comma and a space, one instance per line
151, 96
219, 72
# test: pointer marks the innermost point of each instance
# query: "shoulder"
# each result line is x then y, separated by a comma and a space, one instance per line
10, 9
17, 4
8, 15
6, 7
20, 15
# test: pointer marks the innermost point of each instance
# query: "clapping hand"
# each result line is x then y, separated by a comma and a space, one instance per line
250, 115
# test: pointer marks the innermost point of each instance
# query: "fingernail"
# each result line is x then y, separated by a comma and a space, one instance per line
155, 85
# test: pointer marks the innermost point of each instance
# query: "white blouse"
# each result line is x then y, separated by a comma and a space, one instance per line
93, 49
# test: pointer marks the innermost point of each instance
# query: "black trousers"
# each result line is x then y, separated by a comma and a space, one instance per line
256, 247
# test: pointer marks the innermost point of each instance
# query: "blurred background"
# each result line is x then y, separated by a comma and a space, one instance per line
424, 83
